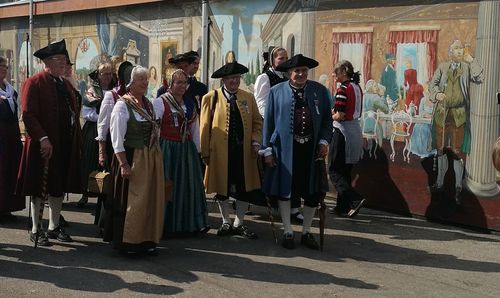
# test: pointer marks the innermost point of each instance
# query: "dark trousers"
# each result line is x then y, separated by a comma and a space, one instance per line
340, 173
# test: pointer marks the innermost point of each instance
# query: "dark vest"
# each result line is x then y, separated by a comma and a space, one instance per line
274, 78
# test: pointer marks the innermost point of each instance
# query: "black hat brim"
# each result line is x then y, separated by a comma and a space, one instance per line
229, 69
298, 60
56, 48
181, 58
94, 75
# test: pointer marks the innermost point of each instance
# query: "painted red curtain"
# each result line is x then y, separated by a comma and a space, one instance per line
366, 38
428, 36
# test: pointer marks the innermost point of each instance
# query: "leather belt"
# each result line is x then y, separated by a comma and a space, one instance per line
302, 139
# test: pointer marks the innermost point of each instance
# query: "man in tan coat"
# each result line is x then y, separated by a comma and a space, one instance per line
230, 134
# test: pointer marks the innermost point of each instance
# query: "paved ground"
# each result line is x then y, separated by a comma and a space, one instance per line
375, 255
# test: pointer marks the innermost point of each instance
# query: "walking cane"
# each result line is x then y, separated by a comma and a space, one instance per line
44, 196
323, 178
271, 218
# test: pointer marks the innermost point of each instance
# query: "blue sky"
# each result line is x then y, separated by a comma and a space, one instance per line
249, 17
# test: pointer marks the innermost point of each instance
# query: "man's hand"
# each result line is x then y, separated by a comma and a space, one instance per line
440, 96
338, 116
205, 160
255, 149
269, 161
322, 151
468, 58
46, 149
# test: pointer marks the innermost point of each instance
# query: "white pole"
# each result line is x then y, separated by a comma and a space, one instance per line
29, 59
205, 39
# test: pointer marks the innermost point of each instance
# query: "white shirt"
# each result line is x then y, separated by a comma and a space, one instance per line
262, 87
104, 117
118, 123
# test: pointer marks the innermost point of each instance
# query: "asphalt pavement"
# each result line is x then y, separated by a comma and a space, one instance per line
376, 254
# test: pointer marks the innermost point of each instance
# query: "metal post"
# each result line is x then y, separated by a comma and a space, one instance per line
205, 39
29, 58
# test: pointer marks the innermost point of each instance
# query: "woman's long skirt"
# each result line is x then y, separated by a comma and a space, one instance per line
135, 215
10, 156
186, 212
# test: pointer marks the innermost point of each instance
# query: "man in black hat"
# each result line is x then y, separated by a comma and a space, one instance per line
297, 131
53, 140
230, 134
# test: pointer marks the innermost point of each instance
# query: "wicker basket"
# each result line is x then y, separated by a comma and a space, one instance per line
100, 182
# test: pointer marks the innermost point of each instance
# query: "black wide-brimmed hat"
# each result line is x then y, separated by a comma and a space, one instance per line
56, 48
192, 54
298, 60
181, 58
124, 71
229, 69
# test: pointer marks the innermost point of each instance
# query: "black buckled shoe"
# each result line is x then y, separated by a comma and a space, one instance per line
225, 230
62, 222
42, 238
59, 234
355, 208
309, 241
287, 241
242, 230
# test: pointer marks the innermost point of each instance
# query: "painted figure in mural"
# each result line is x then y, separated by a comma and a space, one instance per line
449, 90
414, 90
53, 139
139, 197
102, 81
388, 79
421, 137
297, 130
152, 83
230, 57
186, 212
180, 61
347, 141
230, 135
263, 85
496, 155
373, 100
10, 147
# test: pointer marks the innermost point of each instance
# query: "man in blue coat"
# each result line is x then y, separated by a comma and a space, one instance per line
297, 131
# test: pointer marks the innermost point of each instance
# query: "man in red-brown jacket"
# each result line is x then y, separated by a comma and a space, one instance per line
50, 115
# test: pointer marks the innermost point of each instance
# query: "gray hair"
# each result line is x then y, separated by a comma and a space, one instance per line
137, 70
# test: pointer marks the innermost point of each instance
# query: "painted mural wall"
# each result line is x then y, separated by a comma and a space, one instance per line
408, 55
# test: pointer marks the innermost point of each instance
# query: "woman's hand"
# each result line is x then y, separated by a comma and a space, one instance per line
125, 170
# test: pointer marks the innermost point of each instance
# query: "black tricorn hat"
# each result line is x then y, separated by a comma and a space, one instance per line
124, 71
298, 60
229, 69
181, 58
56, 48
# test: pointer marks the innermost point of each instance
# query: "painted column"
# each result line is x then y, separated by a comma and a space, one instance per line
480, 173
187, 41
307, 35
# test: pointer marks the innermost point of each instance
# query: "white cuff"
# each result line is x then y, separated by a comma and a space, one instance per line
43, 138
255, 143
266, 152
323, 142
